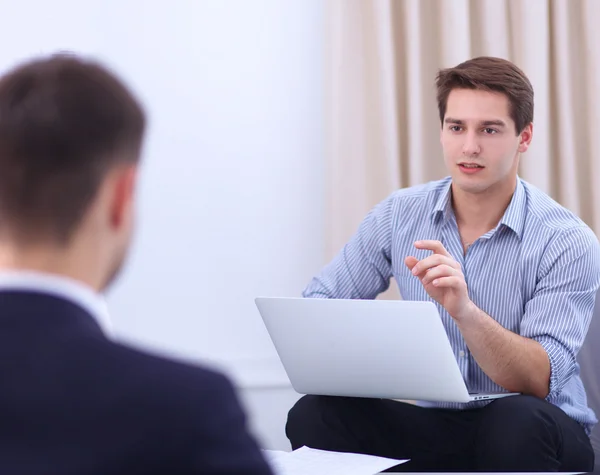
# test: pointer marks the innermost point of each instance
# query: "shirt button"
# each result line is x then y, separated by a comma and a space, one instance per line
461, 353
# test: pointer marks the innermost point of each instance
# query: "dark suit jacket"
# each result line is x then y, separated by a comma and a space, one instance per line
74, 402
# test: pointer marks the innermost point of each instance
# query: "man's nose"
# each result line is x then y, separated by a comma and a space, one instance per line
471, 145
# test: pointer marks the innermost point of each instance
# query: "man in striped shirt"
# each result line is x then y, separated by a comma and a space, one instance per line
514, 276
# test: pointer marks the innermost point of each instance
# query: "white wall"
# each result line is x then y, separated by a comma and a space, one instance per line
231, 193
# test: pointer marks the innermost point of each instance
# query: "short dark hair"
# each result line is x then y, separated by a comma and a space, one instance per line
65, 121
489, 74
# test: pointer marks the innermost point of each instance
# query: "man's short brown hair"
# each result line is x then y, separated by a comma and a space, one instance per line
64, 122
489, 74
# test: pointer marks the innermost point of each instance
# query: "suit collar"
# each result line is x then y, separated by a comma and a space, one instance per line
59, 287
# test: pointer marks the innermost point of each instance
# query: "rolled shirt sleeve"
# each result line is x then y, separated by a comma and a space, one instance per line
559, 313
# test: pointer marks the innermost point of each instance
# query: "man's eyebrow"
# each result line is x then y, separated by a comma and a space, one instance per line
485, 123
499, 123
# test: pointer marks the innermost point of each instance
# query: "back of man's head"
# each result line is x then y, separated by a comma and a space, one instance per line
65, 122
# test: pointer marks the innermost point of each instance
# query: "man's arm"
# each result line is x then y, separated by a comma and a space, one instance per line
542, 358
514, 362
362, 269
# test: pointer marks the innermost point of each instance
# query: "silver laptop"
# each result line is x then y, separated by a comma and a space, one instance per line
366, 348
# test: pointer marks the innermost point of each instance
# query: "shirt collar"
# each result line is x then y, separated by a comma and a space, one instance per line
62, 287
514, 215
443, 205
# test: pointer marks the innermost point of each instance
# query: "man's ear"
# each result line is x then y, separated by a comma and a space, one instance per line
124, 181
525, 138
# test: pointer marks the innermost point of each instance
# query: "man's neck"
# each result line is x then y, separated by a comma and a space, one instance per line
479, 213
47, 261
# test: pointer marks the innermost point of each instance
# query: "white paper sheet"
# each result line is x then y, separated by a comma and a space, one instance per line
307, 461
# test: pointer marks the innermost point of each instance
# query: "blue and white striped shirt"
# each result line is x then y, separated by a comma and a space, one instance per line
536, 274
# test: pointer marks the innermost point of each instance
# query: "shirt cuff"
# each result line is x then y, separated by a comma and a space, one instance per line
560, 364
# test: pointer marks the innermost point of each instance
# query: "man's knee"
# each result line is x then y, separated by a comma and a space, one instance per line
521, 417
323, 421
314, 408
515, 405
519, 432
305, 419
306, 409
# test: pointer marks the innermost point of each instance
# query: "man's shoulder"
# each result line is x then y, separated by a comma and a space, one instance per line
555, 226
154, 379
425, 195
166, 372
547, 213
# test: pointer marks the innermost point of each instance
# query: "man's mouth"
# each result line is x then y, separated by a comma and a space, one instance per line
470, 165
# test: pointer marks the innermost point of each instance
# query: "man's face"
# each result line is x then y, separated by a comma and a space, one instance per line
480, 143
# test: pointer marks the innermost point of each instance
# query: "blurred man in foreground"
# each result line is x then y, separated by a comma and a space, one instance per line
73, 401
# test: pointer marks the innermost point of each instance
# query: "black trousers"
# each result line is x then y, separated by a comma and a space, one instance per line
518, 433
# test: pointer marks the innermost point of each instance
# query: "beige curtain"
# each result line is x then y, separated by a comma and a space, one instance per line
382, 123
